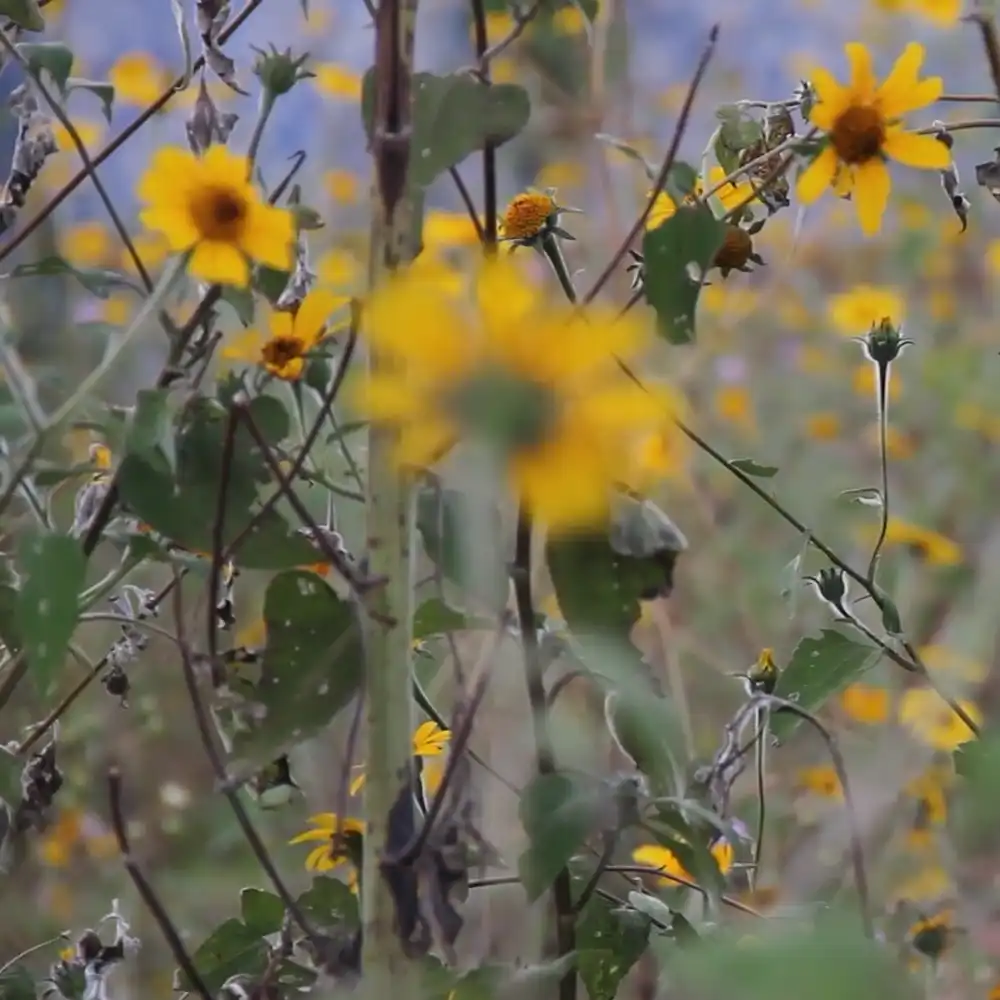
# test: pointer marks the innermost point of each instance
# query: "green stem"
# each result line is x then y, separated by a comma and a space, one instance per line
882, 400
552, 251
264, 110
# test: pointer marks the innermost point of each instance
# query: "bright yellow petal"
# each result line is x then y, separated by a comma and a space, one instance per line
169, 175
390, 398
314, 312
308, 835
831, 98
223, 167
871, 194
269, 235
327, 820
357, 783
218, 262
902, 91
818, 176
654, 856
620, 407
863, 83
319, 860
175, 223
424, 442
245, 347
916, 150
279, 322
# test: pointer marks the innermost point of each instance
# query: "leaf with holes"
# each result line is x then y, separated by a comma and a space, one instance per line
606, 948
53, 58
677, 255
818, 670
312, 666
54, 569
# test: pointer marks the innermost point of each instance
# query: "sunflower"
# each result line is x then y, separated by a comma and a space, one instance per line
538, 383
863, 125
664, 860
327, 855
207, 205
281, 350
429, 740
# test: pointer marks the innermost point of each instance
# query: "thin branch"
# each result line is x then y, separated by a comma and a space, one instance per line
971, 123
521, 22
218, 533
665, 168
603, 860
146, 892
7, 966
988, 32
470, 205
489, 147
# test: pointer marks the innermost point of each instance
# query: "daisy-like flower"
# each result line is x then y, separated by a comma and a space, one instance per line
429, 740
208, 206
933, 722
863, 122
536, 382
528, 215
285, 338
327, 855
664, 860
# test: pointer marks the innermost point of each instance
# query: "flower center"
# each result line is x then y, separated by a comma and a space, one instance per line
514, 413
219, 213
527, 215
277, 353
858, 134
736, 248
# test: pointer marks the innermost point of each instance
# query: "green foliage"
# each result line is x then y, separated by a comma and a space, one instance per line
262, 911
54, 569
608, 944
313, 664
101, 89
182, 506
329, 903
737, 131
818, 670
52, 58
453, 117
24, 13
17, 983
99, 281
435, 617
750, 467
677, 255
150, 431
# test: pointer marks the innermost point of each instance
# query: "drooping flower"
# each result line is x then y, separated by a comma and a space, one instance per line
934, 722
429, 740
285, 338
664, 860
536, 382
863, 122
327, 855
208, 205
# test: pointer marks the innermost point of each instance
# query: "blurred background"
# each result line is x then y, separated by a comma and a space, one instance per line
774, 376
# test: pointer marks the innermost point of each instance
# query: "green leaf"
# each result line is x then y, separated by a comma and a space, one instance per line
751, 468
329, 903
16, 982
25, 14
558, 812
630, 151
682, 181
50, 475
150, 433
182, 505
678, 253
453, 117
262, 911
242, 302
54, 569
434, 617
53, 58
98, 281
231, 949
606, 948
10, 629
737, 131
312, 664
818, 670
101, 89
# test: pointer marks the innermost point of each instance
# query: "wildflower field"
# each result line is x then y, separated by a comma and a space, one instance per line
488, 510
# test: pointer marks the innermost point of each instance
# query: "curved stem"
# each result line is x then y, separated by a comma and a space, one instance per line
882, 400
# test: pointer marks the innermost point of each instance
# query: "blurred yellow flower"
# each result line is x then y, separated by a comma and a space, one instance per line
932, 721
90, 133
664, 860
929, 545
731, 196
342, 186
863, 125
733, 404
821, 780
338, 81
941, 659
914, 214
283, 341
504, 69
865, 703
443, 230
824, 426
117, 310
429, 740
944, 13
926, 885
86, 244
855, 312
499, 24
338, 268
569, 20
932, 935
561, 174
56, 846
152, 249
898, 444
325, 857
207, 205
138, 78
993, 256
530, 377
864, 380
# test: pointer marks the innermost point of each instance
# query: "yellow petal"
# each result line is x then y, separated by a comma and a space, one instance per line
863, 83
268, 235
176, 224
871, 194
319, 860
831, 98
424, 442
916, 150
314, 312
818, 176
218, 262
169, 175
225, 168
245, 347
307, 835
279, 322
357, 783
902, 91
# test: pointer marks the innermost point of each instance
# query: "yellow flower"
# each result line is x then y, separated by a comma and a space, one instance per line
429, 740
288, 338
328, 856
993, 256
338, 268
338, 81
663, 859
947, 661
443, 230
942, 12
561, 174
152, 249
821, 780
536, 380
926, 885
932, 935
855, 312
935, 548
865, 703
117, 310
933, 722
864, 379
731, 195
86, 244
928, 789
663, 209
863, 125
208, 205
341, 186
898, 444
734, 405
569, 20
56, 846
823, 426
138, 78
526, 215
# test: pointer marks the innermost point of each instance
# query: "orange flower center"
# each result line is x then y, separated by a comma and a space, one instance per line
281, 351
858, 134
219, 213
526, 215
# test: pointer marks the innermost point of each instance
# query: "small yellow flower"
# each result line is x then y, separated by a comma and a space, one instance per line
208, 205
943, 13
931, 720
117, 310
56, 846
929, 545
824, 426
734, 405
527, 215
821, 780
342, 186
532, 379
865, 703
152, 249
138, 78
932, 808
90, 133
444, 230
338, 268
286, 338
941, 659
863, 122
561, 174
731, 196
429, 740
499, 24
338, 81
898, 444
931, 936
664, 860
86, 244
855, 312
328, 856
